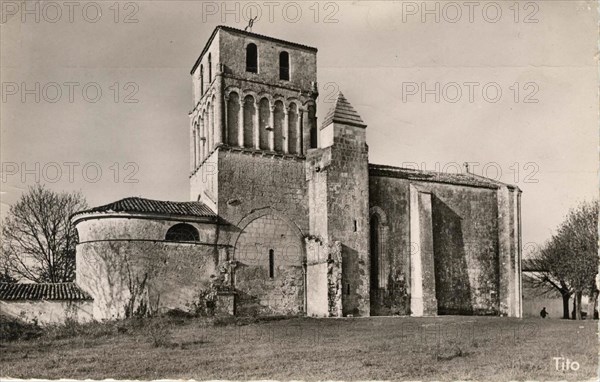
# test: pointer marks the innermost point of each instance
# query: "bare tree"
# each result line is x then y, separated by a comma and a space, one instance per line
568, 263
38, 239
578, 239
548, 273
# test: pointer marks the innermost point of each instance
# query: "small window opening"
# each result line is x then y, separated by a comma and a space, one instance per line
284, 66
347, 288
355, 226
271, 263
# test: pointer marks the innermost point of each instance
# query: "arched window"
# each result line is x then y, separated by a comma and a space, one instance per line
249, 113
233, 112
278, 122
209, 68
252, 58
182, 232
264, 114
293, 137
284, 66
201, 80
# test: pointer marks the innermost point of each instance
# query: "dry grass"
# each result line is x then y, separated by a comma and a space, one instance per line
443, 348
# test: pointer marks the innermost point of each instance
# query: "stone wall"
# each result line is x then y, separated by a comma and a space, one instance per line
389, 197
263, 207
339, 205
465, 241
125, 264
269, 277
204, 184
48, 312
252, 181
324, 278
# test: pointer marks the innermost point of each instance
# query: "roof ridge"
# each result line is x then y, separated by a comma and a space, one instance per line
439, 176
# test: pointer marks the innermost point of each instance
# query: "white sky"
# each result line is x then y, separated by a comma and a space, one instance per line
369, 50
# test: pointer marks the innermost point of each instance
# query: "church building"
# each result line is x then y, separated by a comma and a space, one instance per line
288, 217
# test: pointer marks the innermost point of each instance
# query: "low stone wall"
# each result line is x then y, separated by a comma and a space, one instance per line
44, 312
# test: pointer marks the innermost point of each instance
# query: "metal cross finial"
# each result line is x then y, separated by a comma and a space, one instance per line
251, 23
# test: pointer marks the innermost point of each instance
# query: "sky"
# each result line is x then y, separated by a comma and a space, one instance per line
96, 95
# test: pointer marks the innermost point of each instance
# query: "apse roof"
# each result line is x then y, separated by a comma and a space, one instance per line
141, 205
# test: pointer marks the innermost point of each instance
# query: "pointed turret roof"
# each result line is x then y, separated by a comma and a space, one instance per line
343, 112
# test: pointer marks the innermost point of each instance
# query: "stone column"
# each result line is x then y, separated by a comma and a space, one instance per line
300, 140
195, 143
241, 123
209, 130
286, 130
192, 147
272, 126
202, 139
216, 128
255, 124
220, 107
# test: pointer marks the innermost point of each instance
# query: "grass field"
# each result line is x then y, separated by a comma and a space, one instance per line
399, 348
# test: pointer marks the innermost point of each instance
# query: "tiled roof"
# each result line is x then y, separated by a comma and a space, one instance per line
46, 291
343, 112
466, 179
141, 205
251, 34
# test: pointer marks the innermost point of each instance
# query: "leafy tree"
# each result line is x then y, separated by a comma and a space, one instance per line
38, 239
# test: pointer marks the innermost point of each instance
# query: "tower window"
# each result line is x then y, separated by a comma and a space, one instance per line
182, 232
271, 263
209, 68
252, 58
201, 80
284, 66
355, 226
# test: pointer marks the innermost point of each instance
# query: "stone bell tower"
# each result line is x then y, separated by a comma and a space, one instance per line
339, 200
254, 96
